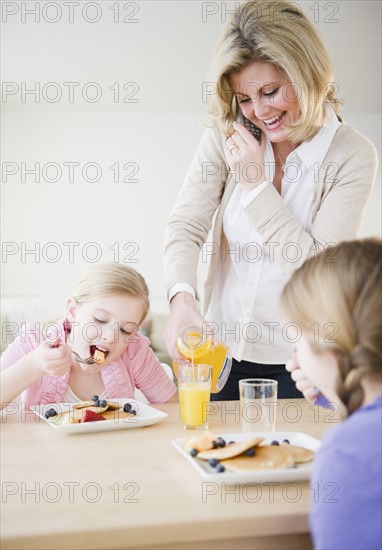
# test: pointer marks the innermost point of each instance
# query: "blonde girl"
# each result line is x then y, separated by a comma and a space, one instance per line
336, 300
103, 316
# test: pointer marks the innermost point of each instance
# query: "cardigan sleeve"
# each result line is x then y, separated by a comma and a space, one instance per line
191, 217
348, 170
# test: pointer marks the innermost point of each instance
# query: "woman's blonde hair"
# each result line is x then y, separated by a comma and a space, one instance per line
112, 278
277, 32
335, 297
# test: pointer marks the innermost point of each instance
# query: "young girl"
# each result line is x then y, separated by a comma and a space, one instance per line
336, 299
102, 319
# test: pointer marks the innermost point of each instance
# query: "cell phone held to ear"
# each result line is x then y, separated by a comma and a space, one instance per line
255, 131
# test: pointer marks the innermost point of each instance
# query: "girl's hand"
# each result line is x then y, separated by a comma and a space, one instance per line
245, 157
54, 359
183, 314
302, 383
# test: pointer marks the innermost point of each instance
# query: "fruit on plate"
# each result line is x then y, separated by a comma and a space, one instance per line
91, 416
92, 411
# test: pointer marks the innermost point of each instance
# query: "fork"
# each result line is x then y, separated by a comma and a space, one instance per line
67, 330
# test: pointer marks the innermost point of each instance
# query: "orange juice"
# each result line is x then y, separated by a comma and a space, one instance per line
193, 400
200, 348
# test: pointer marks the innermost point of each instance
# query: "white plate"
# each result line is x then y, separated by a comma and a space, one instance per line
146, 416
300, 473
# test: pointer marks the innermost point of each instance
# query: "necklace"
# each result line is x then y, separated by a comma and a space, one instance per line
281, 160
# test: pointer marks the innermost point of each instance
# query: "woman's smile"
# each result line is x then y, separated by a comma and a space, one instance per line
274, 122
273, 100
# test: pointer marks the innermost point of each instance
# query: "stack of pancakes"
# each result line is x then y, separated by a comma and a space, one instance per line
237, 457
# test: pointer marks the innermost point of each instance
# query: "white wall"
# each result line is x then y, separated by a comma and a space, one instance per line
166, 54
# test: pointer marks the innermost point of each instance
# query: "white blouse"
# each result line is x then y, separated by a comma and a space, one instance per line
248, 285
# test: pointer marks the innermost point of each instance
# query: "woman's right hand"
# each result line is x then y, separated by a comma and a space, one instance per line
53, 358
183, 314
303, 384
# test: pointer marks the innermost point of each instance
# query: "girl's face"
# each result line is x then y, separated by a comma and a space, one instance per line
267, 98
320, 368
108, 322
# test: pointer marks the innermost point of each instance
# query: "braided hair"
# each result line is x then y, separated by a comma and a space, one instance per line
341, 288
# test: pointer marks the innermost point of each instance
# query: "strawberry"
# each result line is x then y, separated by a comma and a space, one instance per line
91, 416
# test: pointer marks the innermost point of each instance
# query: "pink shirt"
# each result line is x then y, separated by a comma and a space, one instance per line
137, 367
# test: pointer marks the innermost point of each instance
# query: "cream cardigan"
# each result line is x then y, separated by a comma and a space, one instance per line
343, 187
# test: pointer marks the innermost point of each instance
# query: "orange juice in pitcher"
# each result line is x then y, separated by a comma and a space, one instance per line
199, 348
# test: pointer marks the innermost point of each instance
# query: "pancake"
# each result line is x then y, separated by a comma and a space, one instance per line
300, 454
68, 417
230, 451
99, 356
201, 442
117, 415
267, 457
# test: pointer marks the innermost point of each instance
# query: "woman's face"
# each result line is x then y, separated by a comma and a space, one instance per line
108, 322
267, 98
320, 368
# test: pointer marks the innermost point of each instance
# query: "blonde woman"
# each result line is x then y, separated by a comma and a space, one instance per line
336, 300
103, 316
271, 204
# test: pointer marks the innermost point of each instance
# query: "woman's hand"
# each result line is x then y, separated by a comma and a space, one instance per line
245, 157
54, 358
302, 383
183, 314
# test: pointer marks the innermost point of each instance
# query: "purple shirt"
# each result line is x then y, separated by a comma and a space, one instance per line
346, 499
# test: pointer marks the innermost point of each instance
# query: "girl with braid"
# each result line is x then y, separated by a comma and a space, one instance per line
335, 297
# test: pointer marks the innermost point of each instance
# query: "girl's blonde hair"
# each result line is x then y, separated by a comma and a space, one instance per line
335, 297
277, 32
112, 278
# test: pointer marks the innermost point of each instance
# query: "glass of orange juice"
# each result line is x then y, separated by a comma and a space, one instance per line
194, 385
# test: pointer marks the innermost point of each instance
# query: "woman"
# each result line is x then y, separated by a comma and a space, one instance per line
272, 204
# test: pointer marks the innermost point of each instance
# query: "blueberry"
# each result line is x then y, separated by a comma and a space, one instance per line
215, 444
220, 468
193, 452
133, 411
286, 441
231, 442
127, 407
275, 443
95, 398
50, 412
213, 462
221, 442
103, 403
97, 403
251, 451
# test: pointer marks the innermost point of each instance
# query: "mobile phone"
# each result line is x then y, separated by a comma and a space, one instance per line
255, 131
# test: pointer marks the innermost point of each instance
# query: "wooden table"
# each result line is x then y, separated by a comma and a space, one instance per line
132, 489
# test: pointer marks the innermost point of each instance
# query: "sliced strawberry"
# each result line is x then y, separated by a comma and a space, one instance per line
91, 416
